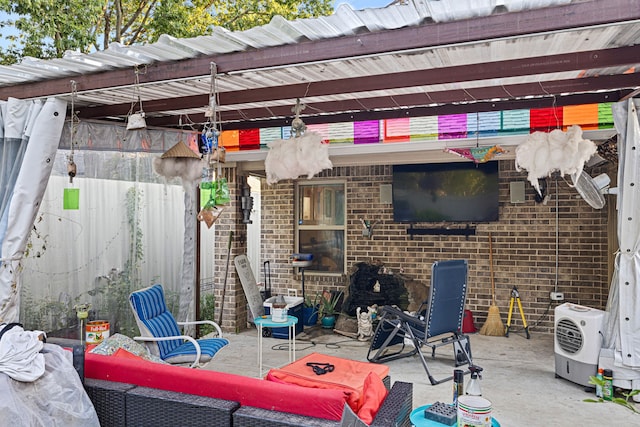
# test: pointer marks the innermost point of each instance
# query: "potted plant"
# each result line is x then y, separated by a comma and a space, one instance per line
328, 303
310, 310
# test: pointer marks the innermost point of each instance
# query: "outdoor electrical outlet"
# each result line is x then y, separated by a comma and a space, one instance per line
556, 296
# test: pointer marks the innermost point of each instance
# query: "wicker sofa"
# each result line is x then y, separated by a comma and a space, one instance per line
134, 392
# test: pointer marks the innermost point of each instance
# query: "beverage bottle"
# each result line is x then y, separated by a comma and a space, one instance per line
458, 385
599, 376
607, 389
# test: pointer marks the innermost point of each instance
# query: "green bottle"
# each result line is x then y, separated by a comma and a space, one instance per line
607, 389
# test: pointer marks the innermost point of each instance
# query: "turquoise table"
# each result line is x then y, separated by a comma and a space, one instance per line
418, 420
267, 322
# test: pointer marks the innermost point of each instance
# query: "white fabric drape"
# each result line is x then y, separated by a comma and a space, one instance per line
126, 234
32, 128
187, 288
623, 332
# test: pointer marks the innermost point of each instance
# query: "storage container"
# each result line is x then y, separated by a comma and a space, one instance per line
294, 308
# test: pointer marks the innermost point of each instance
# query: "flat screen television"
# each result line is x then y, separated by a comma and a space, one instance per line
445, 192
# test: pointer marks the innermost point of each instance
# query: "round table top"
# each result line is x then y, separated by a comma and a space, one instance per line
418, 420
269, 323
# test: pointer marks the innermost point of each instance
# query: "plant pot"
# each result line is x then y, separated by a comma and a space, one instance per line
328, 322
310, 316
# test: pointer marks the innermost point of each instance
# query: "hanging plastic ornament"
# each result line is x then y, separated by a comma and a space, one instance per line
71, 196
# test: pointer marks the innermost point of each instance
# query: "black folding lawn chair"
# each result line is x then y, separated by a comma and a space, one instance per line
438, 324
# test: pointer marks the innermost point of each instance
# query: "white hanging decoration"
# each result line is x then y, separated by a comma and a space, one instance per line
304, 154
544, 153
136, 120
180, 161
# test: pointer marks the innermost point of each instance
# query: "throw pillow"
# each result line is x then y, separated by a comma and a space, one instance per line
117, 341
373, 394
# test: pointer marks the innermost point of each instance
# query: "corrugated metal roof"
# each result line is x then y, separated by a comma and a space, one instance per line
357, 27
345, 21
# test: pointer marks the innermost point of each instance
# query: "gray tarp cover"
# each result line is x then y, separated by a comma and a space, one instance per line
57, 398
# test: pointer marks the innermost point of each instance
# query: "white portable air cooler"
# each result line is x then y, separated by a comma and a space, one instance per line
578, 338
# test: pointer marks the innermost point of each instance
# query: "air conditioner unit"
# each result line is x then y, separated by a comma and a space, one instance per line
578, 338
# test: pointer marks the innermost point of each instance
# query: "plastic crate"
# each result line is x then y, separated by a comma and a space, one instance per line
294, 308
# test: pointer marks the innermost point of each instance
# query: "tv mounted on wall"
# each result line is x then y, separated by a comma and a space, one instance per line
445, 192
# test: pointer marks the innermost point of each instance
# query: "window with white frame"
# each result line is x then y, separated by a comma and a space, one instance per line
320, 224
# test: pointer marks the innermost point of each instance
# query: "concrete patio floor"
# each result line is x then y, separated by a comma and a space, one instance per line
518, 377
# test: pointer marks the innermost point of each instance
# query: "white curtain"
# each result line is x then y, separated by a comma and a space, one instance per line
623, 330
126, 232
30, 135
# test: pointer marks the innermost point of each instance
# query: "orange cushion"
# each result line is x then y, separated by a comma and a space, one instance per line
348, 375
373, 395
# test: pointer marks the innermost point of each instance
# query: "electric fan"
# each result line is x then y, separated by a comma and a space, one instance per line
592, 189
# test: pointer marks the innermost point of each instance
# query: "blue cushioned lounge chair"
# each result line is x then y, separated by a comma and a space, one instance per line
161, 333
440, 323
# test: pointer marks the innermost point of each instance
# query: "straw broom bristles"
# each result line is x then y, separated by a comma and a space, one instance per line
493, 326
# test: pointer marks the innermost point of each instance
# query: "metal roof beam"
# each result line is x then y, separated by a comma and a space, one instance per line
564, 17
471, 107
602, 58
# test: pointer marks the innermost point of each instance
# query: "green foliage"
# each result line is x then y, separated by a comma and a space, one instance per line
207, 312
48, 28
618, 400
109, 296
48, 314
328, 303
236, 15
311, 302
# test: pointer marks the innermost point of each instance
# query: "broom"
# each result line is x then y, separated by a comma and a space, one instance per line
493, 327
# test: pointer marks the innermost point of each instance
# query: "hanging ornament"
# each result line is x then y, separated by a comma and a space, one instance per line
477, 154
305, 153
136, 120
214, 189
71, 196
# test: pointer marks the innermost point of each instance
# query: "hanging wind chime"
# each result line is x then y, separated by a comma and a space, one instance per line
71, 196
213, 187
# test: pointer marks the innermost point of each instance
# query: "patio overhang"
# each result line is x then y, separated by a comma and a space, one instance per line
570, 54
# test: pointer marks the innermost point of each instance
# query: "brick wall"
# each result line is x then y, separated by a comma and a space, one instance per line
235, 304
524, 245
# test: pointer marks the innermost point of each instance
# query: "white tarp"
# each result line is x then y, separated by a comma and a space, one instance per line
41, 127
627, 292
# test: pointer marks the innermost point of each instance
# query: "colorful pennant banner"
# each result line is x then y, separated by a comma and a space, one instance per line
434, 128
